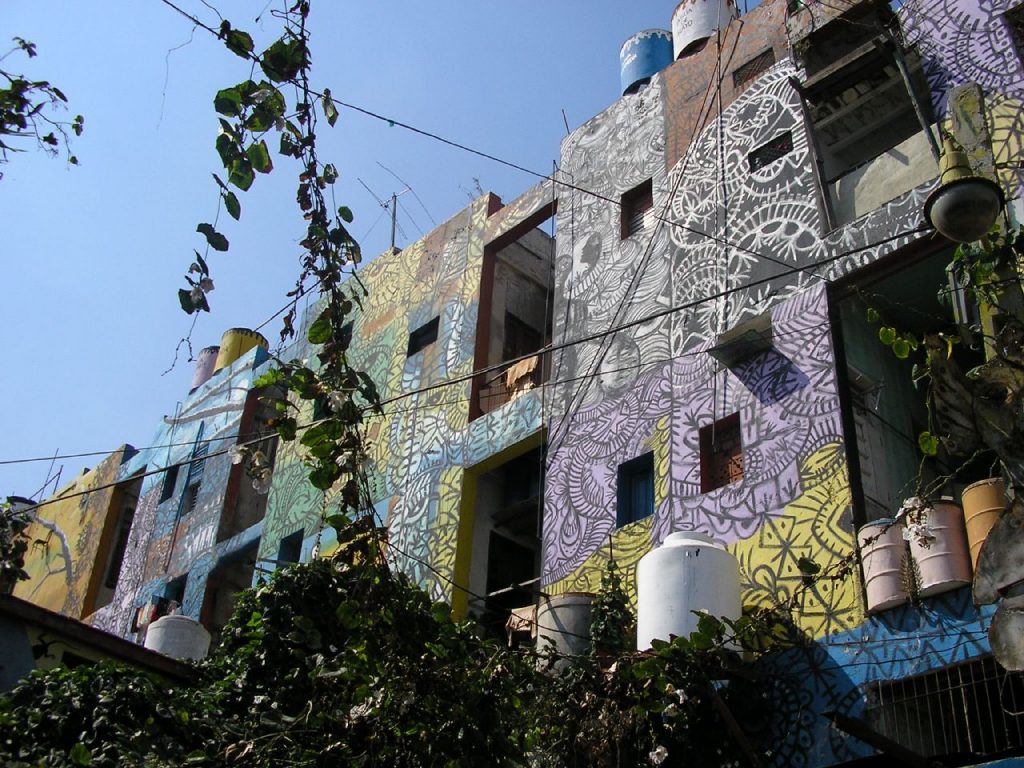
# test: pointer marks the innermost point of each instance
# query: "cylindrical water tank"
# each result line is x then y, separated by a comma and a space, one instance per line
984, 503
689, 572
179, 637
643, 56
696, 20
563, 624
205, 362
236, 342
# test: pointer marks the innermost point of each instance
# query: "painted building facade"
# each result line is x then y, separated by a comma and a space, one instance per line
701, 268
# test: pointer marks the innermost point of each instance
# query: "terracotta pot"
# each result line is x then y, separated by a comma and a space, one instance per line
882, 550
984, 503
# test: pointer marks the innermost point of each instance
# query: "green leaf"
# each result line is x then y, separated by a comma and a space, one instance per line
283, 60
205, 270
873, 316
887, 334
330, 174
259, 156
185, 299
240, 173
80, 755
239, 43
324, 475
232, 204
320, 330
216, 240
901, 348
330, 111
928, 443
228, 102
346, 214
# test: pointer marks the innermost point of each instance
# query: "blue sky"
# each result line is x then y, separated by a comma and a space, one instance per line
93, 255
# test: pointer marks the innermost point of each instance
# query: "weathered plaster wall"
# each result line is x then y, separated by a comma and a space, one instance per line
70, 539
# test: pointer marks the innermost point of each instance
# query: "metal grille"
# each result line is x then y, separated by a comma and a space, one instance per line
972, 708
756, 67
198, 464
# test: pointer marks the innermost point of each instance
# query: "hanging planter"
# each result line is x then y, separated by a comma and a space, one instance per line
938, 544
984, 503
883, 556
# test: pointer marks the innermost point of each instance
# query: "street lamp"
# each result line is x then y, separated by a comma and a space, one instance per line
964, 206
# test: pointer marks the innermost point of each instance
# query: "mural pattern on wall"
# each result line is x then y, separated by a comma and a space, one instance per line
420, 448
66, 558
168, 540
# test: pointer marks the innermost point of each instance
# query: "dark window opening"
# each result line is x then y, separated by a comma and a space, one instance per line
863, 108
190, 500
124, 528
174, 592
635, 490
290, 549
170, 481
520, 338
423, 336
768, 153
636, 203
721, 454
973, 708
754, 68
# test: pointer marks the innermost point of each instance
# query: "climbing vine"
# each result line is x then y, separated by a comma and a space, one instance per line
29, 109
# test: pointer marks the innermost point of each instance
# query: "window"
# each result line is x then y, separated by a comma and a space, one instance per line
124, 527
423, 336
637, 208
520, 338
170, 481
721, 454
754, 68
290, 550
635, 490
970, 708
198, 464
191, 498
768, 153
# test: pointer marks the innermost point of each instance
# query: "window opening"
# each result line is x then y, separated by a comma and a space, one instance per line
290, 550
170, 481
1015, 21
637, 205
124, 528
768, 153
754, 68
423, 336
721, 454
191, 499
635, 490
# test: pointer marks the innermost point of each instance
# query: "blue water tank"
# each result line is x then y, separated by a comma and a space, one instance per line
642, 56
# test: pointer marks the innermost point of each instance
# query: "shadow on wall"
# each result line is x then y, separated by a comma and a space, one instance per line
771, 377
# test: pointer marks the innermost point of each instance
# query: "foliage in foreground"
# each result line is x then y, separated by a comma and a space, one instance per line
342, 662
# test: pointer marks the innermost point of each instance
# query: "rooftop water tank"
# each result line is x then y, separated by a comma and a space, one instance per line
205, 362
689, 572
179, 637
236, 342
694, 21
643, 56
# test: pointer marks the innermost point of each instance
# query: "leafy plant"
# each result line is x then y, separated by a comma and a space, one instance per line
27, 111
612, 625
13, 545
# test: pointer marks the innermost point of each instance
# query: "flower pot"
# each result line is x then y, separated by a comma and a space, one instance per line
984, 503
882, 550
942, 558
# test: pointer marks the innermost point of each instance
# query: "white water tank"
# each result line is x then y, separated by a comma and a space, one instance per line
694, 21
689, 572
179, 637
